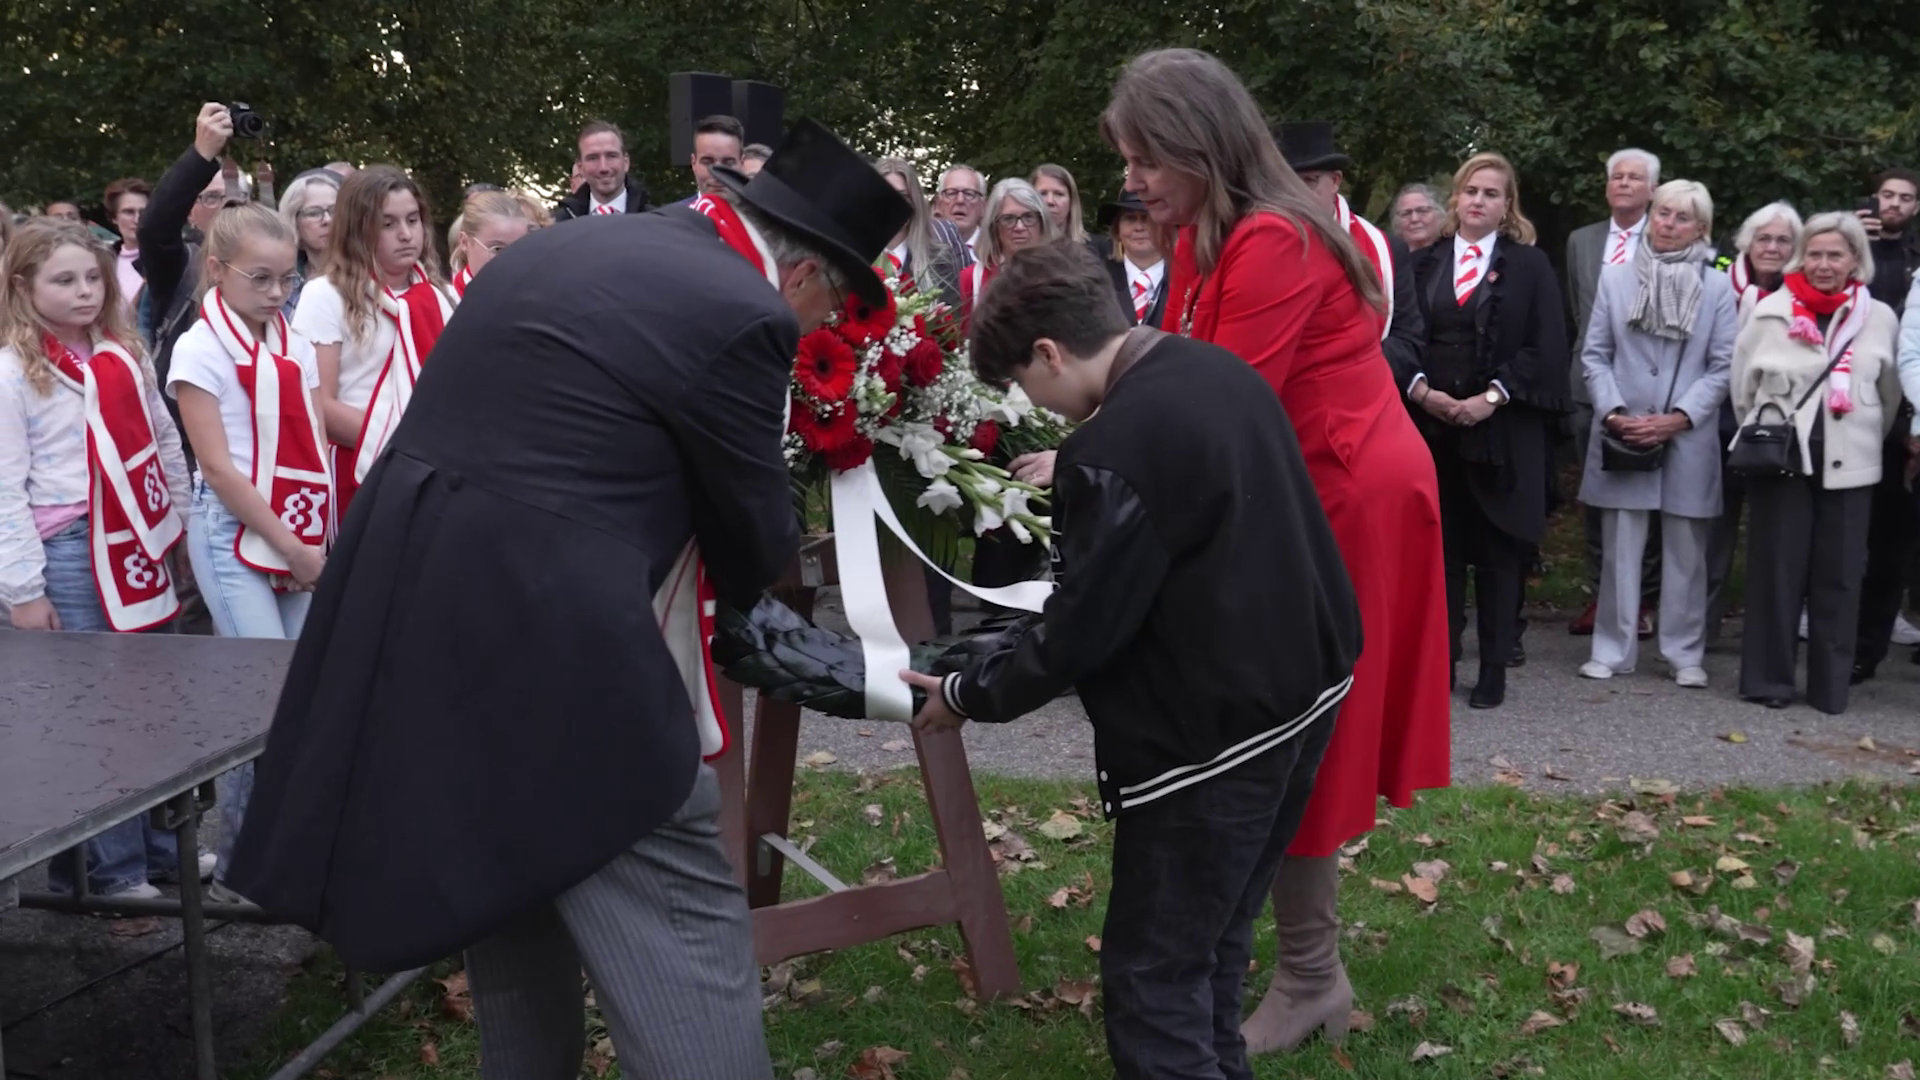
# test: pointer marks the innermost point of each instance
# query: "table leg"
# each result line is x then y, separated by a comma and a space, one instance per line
186, 811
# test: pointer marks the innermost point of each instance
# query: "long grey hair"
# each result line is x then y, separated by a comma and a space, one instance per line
931, 273
987, 250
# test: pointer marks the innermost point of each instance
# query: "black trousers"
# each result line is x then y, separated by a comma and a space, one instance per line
1191, 871
1805, 546
1890, 544
1498, 561
1722, 545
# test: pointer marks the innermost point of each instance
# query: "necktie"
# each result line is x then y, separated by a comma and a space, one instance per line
894, 264
1469, 274
605, 208
1142, 297
1619, 253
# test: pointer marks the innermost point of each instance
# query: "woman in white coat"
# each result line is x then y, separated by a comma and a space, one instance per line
1657, 360
1820, 353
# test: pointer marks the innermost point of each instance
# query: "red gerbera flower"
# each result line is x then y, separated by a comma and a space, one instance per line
825, 367
852, 454
924, 363
863, 324
986, 436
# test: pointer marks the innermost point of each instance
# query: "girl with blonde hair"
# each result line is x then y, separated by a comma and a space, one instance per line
489, 222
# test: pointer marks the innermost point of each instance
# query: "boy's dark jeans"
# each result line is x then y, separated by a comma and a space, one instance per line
1191, 871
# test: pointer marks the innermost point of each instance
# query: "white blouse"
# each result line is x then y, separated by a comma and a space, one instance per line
321, 318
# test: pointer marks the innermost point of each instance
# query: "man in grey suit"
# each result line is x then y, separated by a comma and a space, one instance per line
1632, 174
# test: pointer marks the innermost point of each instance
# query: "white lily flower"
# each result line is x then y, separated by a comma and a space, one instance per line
1012, 408
1020, 531
986, 518
940, 497
923, 446
1013, 503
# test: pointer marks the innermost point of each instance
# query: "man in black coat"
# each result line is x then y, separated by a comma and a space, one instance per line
608, 185
486, 741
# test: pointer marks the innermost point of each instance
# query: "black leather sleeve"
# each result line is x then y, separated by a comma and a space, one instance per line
163, 248
1406, 343
1113, 561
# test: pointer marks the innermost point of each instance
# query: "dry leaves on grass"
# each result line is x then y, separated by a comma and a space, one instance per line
1697, 822
1423, 889
895, 746
874, 813
1755, 1016
819, 759
1061, 825
457, 1001
430, 1053
1435, 870
1901, 1071
880, 872
1360, 1021
1563, 885
133, 927
876, 1063
1637, 828
1849, 1030
1646, 922
1077, 895
1798, 953
1562, 976
1391, 888
1731, 1031
1613, 942
1539, 1022
1682, 967
1093, 943
1427, 1051
1410, 1008
1638, 1014
1794, 992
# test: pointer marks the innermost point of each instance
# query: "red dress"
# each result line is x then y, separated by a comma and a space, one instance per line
1296, 318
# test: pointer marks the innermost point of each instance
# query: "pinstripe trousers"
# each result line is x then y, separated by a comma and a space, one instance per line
667, 942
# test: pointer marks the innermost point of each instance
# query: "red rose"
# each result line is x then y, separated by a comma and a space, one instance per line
849, 455
863, 324
924, 363
986, 436
825, 367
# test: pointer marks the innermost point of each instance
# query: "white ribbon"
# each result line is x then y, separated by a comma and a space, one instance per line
857, 500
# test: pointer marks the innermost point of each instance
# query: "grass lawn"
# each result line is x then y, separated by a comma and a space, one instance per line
1556, 943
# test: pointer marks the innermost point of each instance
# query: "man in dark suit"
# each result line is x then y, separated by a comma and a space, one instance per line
486, 740
608, 185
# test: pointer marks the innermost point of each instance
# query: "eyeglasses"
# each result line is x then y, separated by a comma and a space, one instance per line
264, 283
211, 198
1416, 211
960, 194
315, 213
725, 162
1028, 220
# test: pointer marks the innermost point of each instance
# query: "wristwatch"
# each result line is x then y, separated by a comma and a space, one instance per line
1495, 397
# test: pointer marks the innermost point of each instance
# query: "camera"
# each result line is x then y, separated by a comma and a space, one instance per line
247, 124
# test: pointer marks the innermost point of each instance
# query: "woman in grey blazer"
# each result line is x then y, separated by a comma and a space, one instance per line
1657, 360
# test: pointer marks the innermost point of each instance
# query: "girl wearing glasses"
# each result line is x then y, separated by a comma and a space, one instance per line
1017, 218
489, 221
308, 207
247, 389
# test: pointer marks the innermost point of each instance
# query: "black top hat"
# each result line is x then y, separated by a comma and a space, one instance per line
1127, 203
817, 186
1308, 146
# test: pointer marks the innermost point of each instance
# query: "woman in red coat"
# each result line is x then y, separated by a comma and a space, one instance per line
1261, 268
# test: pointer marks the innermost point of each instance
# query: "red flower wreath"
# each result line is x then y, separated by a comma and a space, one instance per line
925, 363
862, 324
986, 436
825, 367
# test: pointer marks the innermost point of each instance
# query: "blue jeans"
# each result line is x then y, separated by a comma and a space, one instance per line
243, 604
127, 854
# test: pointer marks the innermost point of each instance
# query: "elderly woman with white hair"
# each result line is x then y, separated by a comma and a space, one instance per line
308, 205
1017, 217
1816, 387
1657, 358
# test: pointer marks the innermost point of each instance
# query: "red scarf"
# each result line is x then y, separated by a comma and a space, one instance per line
738, 235
1813, 300
131, 519
1809, 304
461, 280
289, 469
418, 314
1373, 244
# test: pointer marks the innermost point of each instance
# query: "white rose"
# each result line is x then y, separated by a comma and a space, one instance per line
940, 497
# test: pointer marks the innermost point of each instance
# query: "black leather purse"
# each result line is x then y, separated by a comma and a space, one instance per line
1765, 450
1617, 456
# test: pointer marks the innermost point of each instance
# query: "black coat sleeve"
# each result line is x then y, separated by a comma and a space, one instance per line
1115, 561
163, 248
728, 425
1406, 343
1536, 371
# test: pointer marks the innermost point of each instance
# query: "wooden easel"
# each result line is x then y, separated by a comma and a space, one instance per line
965, 889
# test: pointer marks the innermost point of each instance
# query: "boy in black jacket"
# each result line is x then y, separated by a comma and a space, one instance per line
1205, 616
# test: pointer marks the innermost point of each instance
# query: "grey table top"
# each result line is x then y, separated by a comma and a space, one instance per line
96, 729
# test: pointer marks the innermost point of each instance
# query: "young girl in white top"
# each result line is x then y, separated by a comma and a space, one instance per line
248, 395
374, 317
85, 525
489, 222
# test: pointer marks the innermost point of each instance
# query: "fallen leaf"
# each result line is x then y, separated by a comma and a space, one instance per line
1457, 999
1061, 826
1697, 822
1509, 778
1849, 1030
1422, 889
1391, 888
1901, 1071
876, 1063
919, 973
456, 1001
1427, 1051
1862, 840
1412, 1008
807, 991
1784, 871
1024, 924
865, 733
1360, 1021
1093, 942
1340, 1057
1499, 761
1755, 1016
430, 1054
1552, 773
1081, 995
1562, 975
1884, 945
1058, 900
1498, 867
1563, 885
1798, 953
879, 873
1730, 865
895, 746
1635, 1013
1638, 828
819, 758
1866, 743
874, 814
1680, 879
1426, 841
963, 971
1794, 992
1653, 787
1734, 737
1646, 922
1613, 1044
1539, 1022
1744, 881
133, 927
1435, 870
830, 1048
1491, 924
1613, 942
874, 995
1681, 967
1731, 1031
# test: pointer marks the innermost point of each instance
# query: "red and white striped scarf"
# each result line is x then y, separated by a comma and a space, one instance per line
289, 463
1746, 292
461, 280
419, 315
1373, 244
131, 519
738, 235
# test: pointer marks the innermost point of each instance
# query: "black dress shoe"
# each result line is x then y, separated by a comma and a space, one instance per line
1491, 691
1769, 702
1861, 673
1518, 658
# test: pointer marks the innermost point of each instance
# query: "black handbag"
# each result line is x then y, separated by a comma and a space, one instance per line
1617, 456
1763, 450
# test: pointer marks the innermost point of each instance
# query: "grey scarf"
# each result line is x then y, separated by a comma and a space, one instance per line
1668, 297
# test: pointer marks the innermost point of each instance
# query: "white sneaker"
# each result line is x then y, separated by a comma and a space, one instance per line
1904, 632
142, 891
208, 863
1803, 624
1692, 678
1594, 669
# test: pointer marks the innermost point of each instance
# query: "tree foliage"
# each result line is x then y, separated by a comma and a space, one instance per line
1759, 99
